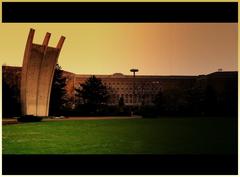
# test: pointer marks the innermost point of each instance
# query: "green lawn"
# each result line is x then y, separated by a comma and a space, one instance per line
130, 136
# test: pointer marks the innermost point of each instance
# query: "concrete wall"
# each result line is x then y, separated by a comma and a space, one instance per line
45, 80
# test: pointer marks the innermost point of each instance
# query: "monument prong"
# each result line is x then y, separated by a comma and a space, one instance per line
45, 42
60, 43
46, 39
26, 57
30, 36
29, 44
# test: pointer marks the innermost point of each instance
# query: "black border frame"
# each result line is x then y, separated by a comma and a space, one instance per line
157, 12
120, 12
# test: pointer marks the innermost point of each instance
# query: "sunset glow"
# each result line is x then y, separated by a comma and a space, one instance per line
155, 49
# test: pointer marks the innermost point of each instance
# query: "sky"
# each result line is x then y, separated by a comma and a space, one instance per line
107, 48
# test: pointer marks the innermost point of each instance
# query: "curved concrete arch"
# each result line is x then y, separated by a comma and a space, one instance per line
37, 74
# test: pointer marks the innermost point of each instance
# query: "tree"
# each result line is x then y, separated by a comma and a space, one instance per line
229, 98
158, 100
58, 92
10, 102
121, 102
10, 95
211, 103
93, 94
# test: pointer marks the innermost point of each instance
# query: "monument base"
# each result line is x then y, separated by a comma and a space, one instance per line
29, 118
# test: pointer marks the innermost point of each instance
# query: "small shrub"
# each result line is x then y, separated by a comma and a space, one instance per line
29, 118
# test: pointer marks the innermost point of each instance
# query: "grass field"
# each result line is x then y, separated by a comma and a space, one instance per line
151, 136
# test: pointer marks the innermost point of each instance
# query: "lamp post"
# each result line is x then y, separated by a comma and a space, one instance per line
74, 94
134, 71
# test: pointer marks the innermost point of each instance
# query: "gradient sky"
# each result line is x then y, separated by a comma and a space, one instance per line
153, 48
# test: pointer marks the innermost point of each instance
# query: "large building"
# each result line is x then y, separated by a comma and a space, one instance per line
146, 86
139, 90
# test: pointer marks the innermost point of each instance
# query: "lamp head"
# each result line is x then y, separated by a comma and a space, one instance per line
134, 70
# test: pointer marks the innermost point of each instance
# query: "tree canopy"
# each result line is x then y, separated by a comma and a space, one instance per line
58, 92
92, 93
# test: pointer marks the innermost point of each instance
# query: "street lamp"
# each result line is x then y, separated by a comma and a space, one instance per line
134, 71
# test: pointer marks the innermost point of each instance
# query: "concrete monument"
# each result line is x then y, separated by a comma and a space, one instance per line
37, 74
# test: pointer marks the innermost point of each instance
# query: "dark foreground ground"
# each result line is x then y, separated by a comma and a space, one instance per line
123, 136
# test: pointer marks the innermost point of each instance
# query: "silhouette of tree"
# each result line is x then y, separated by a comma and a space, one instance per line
121, 102
211, 103
158, 100
10, 99
93, 94
58, 92
229, 98
195, 98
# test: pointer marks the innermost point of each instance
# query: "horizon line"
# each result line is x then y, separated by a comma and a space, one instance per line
119, 73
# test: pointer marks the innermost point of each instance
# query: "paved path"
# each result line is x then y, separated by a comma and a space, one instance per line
14, 121
92, 118
9, 121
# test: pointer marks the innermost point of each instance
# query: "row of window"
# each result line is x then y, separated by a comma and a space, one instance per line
138, 89
131, 83
126, 96
123, 88
136, 100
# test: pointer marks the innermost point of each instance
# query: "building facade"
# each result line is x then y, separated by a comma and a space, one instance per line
140, 90
146, 86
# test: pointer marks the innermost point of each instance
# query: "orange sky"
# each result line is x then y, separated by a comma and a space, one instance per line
153, 48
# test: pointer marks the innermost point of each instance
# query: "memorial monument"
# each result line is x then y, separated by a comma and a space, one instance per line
37, 74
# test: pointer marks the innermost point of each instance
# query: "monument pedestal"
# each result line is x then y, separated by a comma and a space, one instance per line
29, 118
